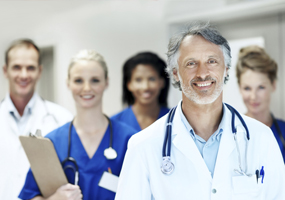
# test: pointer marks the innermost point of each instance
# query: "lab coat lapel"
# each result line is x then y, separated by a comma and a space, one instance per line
5, 115
227, 145
182, 140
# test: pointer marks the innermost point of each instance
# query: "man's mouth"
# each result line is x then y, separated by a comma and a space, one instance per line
203, 85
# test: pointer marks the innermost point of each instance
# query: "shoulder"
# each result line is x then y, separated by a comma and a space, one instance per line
122, 128
122, 114
153, 135
59, 133
58, 110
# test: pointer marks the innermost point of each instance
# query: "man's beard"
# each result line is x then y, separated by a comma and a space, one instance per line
203, 97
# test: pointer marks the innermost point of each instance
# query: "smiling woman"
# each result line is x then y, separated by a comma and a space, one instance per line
145, 89
257, 74
83, 144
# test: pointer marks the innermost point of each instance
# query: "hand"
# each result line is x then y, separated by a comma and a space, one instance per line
67, 192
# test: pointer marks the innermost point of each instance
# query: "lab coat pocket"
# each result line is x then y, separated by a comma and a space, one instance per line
245, 185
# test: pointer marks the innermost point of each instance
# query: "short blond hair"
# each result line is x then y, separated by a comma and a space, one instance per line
89, 55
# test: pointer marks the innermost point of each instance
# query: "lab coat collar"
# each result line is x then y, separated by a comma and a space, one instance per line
217, 133
182, 140
28, 109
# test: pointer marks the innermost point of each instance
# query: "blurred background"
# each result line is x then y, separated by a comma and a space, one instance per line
120, 29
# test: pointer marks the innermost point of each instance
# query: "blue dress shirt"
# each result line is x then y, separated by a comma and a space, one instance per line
208, 149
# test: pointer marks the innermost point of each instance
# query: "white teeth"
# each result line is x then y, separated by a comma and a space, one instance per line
203, 85
87, 96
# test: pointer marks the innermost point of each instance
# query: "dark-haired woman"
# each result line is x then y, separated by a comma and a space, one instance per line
145, 90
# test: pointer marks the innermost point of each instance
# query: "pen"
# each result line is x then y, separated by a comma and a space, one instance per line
109, 170
257, 175
262, 174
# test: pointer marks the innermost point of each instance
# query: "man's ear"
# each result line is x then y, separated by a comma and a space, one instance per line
5, 70
175, 74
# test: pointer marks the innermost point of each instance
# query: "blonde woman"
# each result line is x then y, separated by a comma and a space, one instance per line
92, 143
256, 74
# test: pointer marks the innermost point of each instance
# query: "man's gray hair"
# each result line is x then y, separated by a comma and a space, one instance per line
203, 29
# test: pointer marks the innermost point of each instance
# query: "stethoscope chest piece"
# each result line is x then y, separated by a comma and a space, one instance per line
167, 167
110, 153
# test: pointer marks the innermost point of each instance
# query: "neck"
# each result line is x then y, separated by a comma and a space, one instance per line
264, 117
90, 120
152, 109
203, 118
20, 102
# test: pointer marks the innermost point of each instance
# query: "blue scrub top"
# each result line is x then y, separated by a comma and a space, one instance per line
90, 170
281, 124
127, 116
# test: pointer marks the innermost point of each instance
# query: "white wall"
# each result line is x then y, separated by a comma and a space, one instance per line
117, 30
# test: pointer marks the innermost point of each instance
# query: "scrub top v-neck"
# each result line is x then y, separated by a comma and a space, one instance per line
90, 169
128, 117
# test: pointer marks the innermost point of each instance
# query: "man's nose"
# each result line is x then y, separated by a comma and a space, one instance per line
24, 73
202, 71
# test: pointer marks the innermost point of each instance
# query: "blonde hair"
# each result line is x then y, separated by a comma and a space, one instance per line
89, 55
256, 59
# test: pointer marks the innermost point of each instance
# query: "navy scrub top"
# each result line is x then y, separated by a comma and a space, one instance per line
281, 124
90, 170
127, 116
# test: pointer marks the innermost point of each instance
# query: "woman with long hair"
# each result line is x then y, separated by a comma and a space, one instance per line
145, 90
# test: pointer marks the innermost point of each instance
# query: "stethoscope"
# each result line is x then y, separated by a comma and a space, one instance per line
109, 153
167, 166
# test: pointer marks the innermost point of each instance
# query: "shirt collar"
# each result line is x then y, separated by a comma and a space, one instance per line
217, 133
28, 109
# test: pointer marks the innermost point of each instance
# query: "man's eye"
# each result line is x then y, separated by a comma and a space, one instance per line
16, 67
191, 63
152, 79
261, 87
212, 61
31, 68
247, 88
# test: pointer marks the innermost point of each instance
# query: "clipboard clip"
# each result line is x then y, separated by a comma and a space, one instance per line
37, 134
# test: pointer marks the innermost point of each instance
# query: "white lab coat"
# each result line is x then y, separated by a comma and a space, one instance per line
141, 177
13, 161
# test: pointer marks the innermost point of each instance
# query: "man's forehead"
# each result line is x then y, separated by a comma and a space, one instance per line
22, 51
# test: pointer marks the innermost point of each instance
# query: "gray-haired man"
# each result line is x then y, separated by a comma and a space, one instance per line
205, 149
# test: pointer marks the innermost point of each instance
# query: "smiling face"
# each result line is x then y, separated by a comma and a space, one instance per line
87, 83
22, 71
256, 88
201, 70
145, 84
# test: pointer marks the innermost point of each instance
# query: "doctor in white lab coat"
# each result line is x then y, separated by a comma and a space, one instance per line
209, 163
23, 111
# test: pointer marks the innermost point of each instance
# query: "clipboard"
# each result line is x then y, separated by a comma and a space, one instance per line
44, 162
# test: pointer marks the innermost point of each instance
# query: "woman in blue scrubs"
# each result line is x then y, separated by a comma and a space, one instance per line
90, 135
145, 90
257, 74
